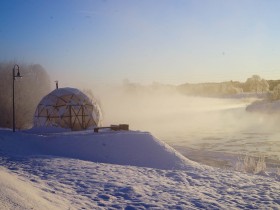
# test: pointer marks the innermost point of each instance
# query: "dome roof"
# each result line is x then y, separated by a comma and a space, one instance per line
67, 108
64, 95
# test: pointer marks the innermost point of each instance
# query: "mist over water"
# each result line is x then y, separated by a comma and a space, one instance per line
210, 124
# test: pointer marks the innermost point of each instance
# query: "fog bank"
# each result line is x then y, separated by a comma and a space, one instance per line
162, 112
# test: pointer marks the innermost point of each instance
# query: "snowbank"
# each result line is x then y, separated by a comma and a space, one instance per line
18, 194
264, 106
47, 182
123, 148
253, 95
89, 185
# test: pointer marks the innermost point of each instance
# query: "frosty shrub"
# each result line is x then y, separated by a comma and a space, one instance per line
249, 164
256, 84
276, 93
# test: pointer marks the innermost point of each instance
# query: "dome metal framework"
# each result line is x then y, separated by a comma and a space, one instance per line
67, 108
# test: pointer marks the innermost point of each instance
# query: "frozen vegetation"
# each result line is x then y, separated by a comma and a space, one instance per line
29, 90
114, 170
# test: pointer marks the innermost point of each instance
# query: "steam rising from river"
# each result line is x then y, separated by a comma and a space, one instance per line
193, 121
165, 112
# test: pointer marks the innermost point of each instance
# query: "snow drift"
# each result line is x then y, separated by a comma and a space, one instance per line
73, 183
20, 194
123, 148
264, 106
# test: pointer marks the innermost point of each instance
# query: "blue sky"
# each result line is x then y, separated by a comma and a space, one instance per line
168, 41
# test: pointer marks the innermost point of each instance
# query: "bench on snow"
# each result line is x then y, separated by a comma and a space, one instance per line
123, 127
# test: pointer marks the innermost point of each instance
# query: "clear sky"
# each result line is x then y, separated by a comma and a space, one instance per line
168, 41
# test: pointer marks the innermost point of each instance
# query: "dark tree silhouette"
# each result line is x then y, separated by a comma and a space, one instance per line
28, 92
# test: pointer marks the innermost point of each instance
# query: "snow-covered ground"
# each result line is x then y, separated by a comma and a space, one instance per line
18, 193
265, 106
119, 170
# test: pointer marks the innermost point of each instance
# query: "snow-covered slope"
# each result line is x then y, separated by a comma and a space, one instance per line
88, 185
265, 106
76, 179
124, 148
19, 194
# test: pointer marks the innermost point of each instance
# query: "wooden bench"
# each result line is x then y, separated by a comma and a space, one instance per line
120, 127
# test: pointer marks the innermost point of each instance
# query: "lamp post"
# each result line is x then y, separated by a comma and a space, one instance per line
14, 78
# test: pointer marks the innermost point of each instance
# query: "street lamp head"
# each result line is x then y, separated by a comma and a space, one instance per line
18, 73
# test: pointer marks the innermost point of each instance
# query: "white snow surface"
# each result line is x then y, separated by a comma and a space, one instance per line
264, 106
18, 193
118, 170
123, 148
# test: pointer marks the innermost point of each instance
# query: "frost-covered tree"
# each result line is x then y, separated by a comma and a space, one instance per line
275, 95
228, 88
29, 90
256, 84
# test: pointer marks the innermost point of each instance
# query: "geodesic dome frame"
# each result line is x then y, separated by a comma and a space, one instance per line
67, 108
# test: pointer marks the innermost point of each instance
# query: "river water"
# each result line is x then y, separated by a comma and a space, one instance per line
207, 130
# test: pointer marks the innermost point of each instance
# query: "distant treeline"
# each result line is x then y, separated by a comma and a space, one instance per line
29, 90
273, 84
211, 89
254, 84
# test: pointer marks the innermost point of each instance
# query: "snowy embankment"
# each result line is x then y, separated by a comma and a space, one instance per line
265, 106
61, 170
123, 148
20, 194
